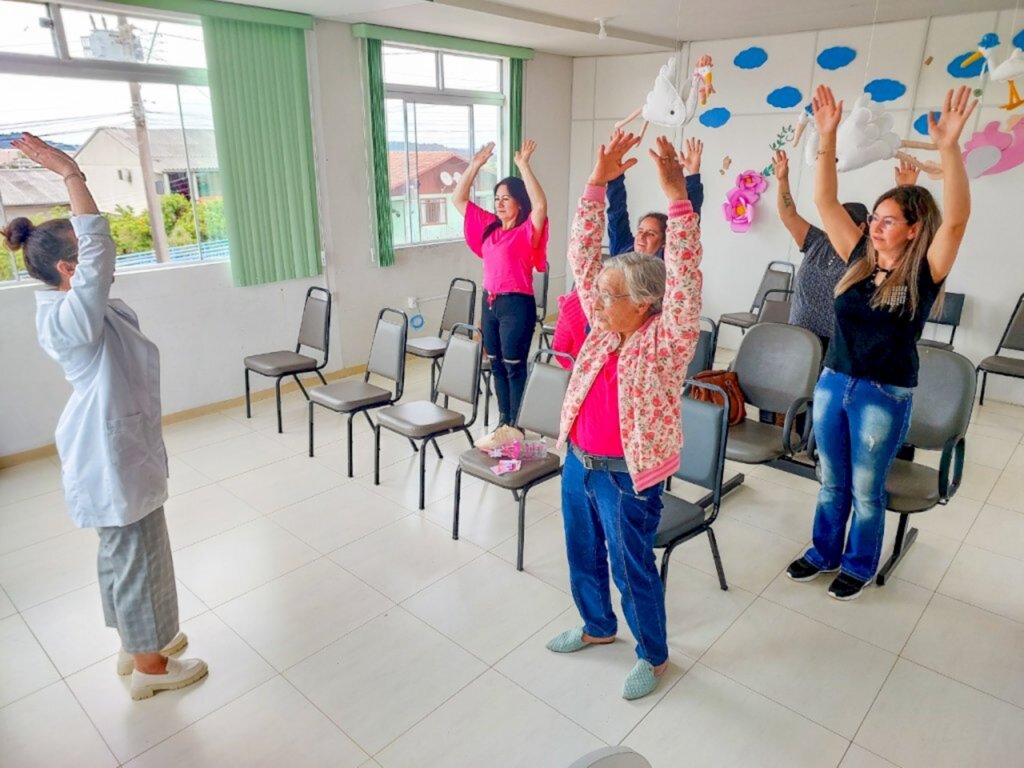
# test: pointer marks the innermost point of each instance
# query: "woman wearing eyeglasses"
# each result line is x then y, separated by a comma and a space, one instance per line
621, 412
862, 402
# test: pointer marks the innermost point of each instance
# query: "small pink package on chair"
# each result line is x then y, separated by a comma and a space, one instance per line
507, 465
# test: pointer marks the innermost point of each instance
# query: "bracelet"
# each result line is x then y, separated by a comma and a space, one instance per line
826, 151
79, 174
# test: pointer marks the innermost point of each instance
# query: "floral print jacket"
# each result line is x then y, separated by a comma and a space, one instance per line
653, 363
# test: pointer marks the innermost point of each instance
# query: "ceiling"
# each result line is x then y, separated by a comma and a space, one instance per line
568, 27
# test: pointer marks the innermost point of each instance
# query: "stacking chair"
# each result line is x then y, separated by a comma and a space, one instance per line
540, 411
612, 757
707, 343
314, 333
1013, 339
942, 409
778, 276
459, 307
426, 421
387, 359
949, 315
540, 293
701, 462
776, 306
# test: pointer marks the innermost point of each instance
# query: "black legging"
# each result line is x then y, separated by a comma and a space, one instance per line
508, 331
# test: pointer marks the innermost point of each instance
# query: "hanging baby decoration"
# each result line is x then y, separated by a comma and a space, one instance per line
1001, 72
992, 150
741, 199
666, 106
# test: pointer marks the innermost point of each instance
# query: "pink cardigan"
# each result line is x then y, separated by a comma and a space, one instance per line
652, 365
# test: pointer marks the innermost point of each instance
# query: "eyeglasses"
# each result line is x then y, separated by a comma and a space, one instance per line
608, 298
884, 222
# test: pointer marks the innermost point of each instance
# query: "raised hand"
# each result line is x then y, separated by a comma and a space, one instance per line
611, 158
690, 158
483, 155
523, 154
51, 158
670, 170
827, 113
906, 174
956, 111
780, 164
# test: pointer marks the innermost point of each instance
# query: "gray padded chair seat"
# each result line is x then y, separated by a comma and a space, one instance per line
279, 363
742, 319
548, 328
1011, 366
936, 344
420, 418
912, 487
426, 346
678, 517
477, 463
344, 396
751, 442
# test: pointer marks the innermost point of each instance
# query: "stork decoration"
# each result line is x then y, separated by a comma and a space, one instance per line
665, 105
1006, 72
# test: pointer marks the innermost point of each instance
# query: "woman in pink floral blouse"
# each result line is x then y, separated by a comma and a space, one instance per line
621, 412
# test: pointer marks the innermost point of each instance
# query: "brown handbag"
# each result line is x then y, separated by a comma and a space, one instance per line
728, 381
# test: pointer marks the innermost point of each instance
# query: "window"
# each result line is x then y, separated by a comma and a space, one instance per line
122, 94
440, 108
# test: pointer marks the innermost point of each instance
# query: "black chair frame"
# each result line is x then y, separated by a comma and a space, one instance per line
1017, 309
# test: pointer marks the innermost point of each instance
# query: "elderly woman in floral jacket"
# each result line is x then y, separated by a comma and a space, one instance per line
621, 412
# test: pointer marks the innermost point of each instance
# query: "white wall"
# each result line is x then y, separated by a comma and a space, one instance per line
989, 270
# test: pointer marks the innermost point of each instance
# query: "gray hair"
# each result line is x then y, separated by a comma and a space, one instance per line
644, 276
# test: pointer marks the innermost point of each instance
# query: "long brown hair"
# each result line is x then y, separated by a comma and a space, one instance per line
918, 207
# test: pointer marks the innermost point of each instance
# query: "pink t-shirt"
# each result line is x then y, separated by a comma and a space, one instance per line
571, 328
596, 429
509, 256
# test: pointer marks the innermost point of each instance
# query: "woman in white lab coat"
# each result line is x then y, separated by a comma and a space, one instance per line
109, 439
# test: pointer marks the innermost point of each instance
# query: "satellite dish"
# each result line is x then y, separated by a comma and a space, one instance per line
457, 176
446, 178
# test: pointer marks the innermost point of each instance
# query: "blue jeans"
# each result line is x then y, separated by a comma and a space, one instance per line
604, 515
508, 331
859, 426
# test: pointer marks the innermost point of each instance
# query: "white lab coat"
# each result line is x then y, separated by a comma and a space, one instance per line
109, 439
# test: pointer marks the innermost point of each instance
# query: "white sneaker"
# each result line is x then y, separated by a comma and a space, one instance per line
126, 663
501, 436
180, 674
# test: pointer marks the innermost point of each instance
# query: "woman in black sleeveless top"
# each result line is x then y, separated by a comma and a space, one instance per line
863, 399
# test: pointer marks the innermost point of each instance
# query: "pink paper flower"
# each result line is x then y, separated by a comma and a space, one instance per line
752, 183
739, 210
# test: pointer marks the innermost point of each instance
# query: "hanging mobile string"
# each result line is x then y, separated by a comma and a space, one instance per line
871, 43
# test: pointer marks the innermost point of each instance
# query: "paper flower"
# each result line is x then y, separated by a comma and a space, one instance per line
739, 210
752, 184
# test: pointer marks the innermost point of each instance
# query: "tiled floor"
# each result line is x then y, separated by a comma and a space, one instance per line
345, 628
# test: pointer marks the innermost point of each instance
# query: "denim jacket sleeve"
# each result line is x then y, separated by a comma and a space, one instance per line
695, 192
620, 236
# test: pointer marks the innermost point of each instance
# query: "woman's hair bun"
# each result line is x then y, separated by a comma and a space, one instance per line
17, 232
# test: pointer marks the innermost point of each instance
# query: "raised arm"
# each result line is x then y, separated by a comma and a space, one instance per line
620, 233
690, 157
460, 197
797, 225
538, 200
956, 191
842, 232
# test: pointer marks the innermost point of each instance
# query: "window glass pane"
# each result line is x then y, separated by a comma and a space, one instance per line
117, 37
398, 159
439, 149
408, 66
21, 30
467, 73
487, 127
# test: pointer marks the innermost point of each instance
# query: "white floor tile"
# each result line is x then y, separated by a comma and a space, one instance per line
394, 664
183, 478
991, 451
283, 483
488, 515
476, 727
858, 757
6, 606
927, 560
488, 607
405, 557
1008, 491
783, 511
201, 431
986, 580
203, 513
998, 530
848, 673
131, 727
235, 455
400, 481
544, 552
952, 520
273, 725
25, 667
49, 729
978, 481
32, 478
301, 612
27, 522
708, 719
230, 564
43, 571
698, 610
922, 719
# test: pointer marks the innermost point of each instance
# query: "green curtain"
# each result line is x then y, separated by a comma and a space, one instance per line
385, 248
515, 112
259, 92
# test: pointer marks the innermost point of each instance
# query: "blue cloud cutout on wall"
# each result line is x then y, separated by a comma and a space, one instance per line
751, 58
884, 89
836, 57
785, 97
1018, 39
921, 124
715, 118
957, 69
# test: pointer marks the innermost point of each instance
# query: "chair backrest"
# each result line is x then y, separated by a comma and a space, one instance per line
777, 364
943, 399
776, 306
540, 293
705, 432
778, 276
948, 312
1013, 336
460, 369
704, 354
460, 306
541, 407
315, 327
387, 352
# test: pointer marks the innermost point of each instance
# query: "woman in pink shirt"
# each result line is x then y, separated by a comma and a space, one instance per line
512, 242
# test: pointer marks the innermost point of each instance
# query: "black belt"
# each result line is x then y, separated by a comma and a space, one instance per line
599, 463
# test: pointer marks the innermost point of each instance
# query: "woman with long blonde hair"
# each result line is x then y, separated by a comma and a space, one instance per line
863, 399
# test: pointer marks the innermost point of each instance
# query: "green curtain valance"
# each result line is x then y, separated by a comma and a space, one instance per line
429, 39
221, 10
